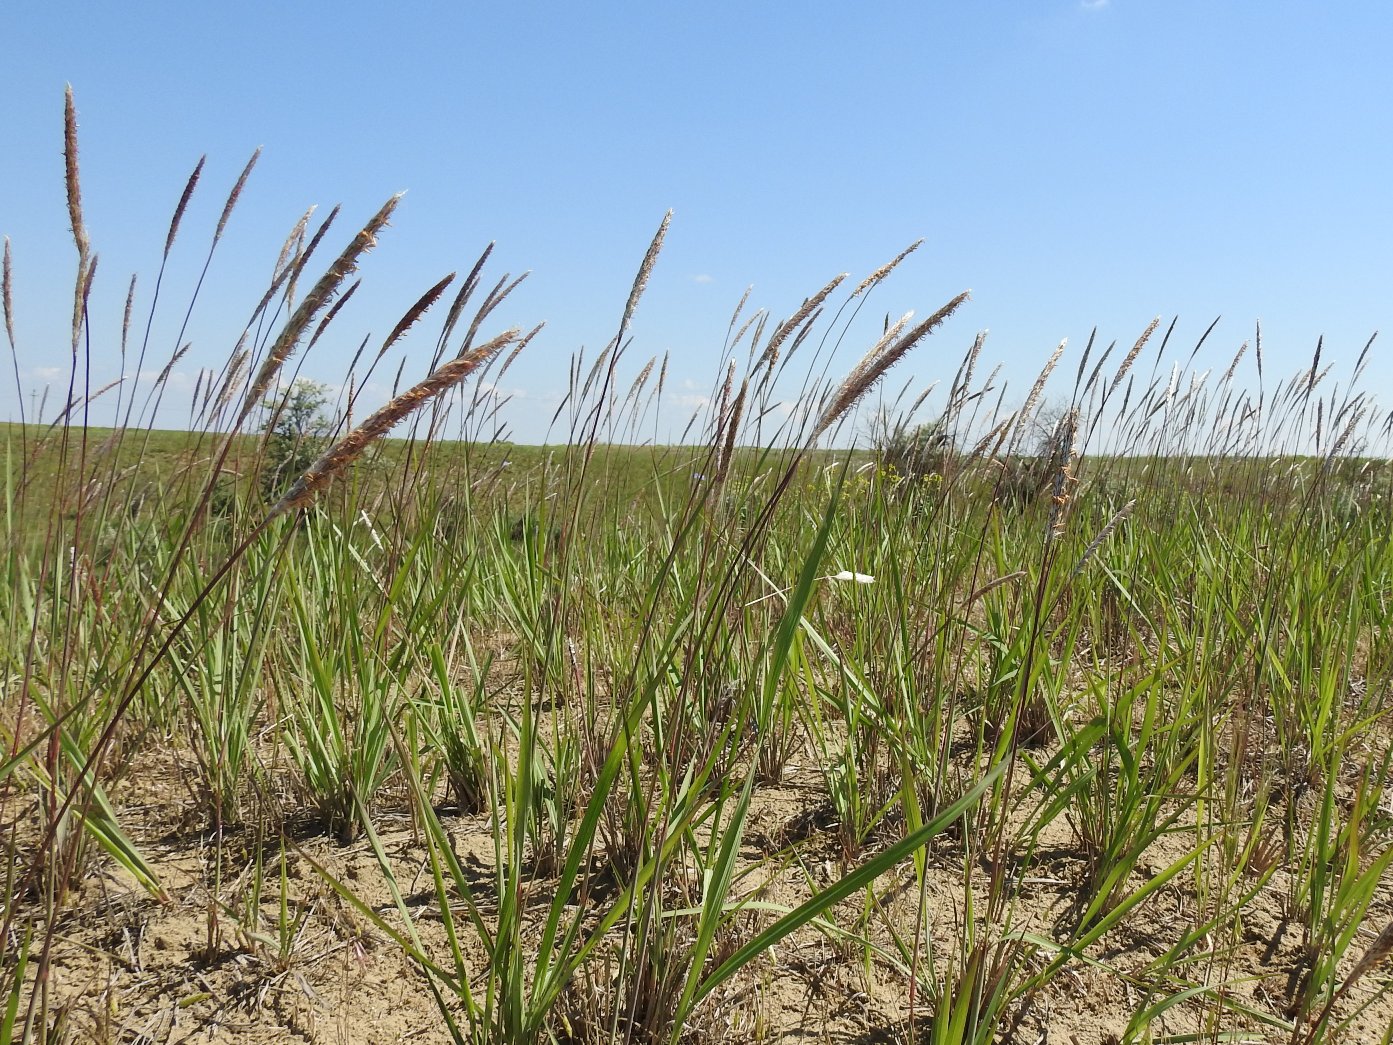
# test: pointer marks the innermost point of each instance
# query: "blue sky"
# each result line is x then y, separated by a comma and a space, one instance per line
1076, 164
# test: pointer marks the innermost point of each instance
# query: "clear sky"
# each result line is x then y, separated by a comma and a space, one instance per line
1076, 163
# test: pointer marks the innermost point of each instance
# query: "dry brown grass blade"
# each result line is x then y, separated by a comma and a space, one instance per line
343, 267
1376, 955
351, 447
992, 585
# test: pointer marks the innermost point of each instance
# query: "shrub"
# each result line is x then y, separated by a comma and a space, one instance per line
295, 434
911, 451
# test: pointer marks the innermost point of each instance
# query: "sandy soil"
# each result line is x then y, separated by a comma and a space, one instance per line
130, 968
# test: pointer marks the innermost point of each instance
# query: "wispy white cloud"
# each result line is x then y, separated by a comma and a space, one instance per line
534, 397
1094, 5
489, 388
703, 278
176, 379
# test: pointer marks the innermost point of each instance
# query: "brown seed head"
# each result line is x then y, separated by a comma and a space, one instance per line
770, 354
183, 205
71, 176
7, 294
877, 362
351, 447
885, 270
1131, 356
236, 193
343, 267
644, 271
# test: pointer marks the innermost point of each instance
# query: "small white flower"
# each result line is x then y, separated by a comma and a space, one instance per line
847, 575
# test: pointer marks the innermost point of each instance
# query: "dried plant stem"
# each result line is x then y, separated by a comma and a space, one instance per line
1377, 953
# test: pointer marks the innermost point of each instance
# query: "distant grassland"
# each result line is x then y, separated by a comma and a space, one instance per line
157, 465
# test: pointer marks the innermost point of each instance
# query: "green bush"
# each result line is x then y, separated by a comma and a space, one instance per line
295, 434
